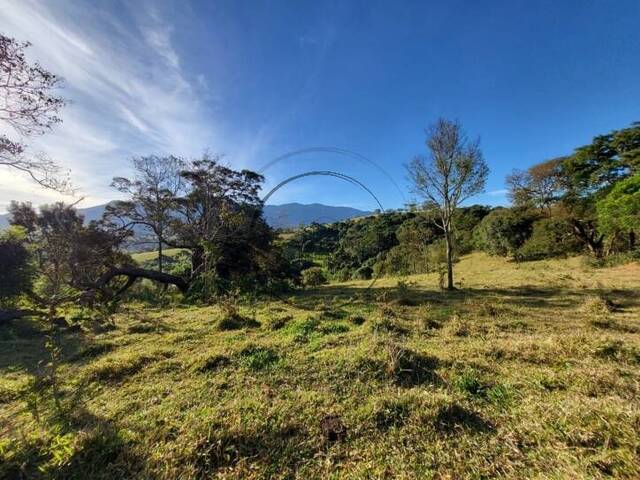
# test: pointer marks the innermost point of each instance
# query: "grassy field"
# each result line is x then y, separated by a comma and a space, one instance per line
142, 257
527, 371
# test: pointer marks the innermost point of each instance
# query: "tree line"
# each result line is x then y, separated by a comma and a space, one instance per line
588, 201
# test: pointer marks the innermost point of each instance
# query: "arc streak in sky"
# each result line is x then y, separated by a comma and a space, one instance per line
326, 173
339, 151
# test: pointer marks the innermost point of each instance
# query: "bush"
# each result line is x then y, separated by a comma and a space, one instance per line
16, 274
504, 231
314, 276
550, 237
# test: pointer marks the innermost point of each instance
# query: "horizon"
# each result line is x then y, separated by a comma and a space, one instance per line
255, 82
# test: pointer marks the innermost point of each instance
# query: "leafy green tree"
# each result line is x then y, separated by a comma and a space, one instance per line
219, 220
609, 158
619, 211
503, 231
363, 243
550, 237
452, 172
591, 172
70, 257
16, 274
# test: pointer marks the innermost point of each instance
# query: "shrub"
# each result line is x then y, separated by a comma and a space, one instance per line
504, 231
314, 276
550, 237
16, 274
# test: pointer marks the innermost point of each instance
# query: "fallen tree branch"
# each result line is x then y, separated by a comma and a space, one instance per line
133, 273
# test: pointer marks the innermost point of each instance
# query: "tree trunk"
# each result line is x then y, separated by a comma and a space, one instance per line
587, 233
134, 273
197, 260
447, 240
160, 255
632, 240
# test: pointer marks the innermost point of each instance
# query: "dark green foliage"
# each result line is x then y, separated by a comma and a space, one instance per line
596, 167
364, 242
619, 211
393, 243
504, 230
313, 277
551, 237
16, 274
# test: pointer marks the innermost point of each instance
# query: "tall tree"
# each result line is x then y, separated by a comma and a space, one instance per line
152, 195
452, 171
591, 172
219, 219
619, 211
539, 186
29, 106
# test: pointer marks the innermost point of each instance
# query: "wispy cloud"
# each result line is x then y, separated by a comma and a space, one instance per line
129, 92
498, 193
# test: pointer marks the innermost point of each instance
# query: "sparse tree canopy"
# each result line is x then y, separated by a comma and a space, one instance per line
29, 106
153, 191
539, 186
452, 171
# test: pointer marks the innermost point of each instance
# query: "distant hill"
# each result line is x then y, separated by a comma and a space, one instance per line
278, 216
296, 214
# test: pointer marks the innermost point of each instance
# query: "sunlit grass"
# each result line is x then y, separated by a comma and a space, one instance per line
528, 370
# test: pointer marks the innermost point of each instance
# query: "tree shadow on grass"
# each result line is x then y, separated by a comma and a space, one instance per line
280, 449
521, 296
454, 418
78, 445
23, 345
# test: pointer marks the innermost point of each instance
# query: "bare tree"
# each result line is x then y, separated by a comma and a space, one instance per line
452, 171
153, 191
29, 107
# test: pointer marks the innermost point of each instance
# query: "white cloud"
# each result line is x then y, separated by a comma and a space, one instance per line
129, 94
498, 193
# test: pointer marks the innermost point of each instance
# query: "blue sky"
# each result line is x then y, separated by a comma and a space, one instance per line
254, 80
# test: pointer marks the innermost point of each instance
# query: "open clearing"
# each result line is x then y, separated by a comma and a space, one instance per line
529, 370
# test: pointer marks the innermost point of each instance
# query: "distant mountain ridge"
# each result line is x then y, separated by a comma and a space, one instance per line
288, 215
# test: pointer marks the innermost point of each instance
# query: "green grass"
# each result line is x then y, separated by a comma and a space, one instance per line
528, 370
143, 257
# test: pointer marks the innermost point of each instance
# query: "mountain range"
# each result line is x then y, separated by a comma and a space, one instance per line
288, 215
